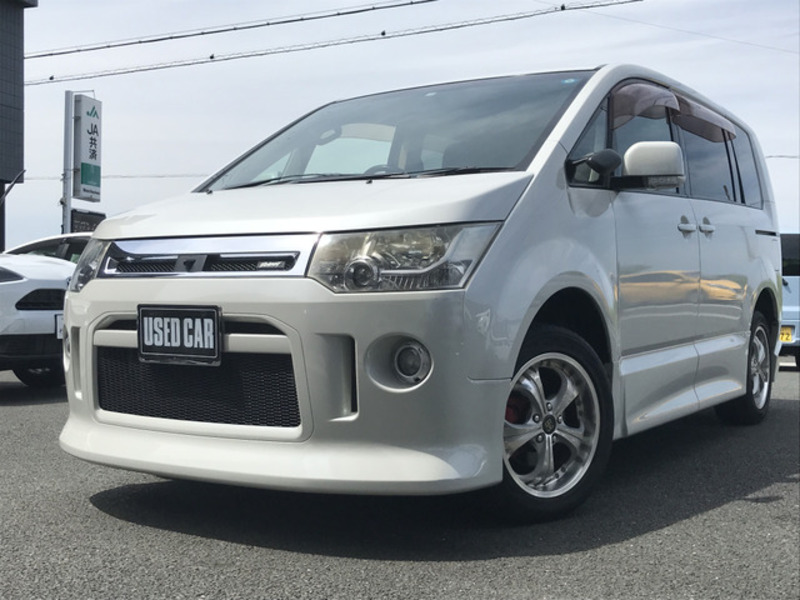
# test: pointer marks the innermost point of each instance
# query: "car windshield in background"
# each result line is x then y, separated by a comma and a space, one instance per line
473, 126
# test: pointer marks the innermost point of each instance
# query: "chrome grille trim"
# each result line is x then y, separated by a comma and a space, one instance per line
233, 256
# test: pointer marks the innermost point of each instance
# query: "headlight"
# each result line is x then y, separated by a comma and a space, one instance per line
430, 258
88, 264
6, 275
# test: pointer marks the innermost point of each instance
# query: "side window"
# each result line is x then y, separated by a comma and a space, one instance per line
710, 174
708, 149
636, 111
593, 139
46, 249
639, 114
652, 128
749, 184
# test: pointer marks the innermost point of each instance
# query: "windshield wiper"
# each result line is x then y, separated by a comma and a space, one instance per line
462, 170
315, 177
287, 179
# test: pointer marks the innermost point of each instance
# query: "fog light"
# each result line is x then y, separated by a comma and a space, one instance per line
412, 362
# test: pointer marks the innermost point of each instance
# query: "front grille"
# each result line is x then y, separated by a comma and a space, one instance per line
211, 263
246, 389
45, 299
224, 256
20, 346
147, 266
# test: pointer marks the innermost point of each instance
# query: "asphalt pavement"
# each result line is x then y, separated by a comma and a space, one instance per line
691, 510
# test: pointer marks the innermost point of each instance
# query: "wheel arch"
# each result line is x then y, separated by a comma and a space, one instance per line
767, 305
576, 310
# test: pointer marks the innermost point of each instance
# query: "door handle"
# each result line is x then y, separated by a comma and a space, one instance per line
706, 226
685, 227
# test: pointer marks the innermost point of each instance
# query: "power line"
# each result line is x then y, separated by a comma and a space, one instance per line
383, 35
180, 35
697, 33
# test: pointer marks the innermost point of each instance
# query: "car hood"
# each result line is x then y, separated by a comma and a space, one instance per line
325, 206
37, 267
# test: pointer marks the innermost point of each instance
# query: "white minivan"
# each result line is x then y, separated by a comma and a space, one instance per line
477, 284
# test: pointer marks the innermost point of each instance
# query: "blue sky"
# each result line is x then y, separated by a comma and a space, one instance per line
164, 130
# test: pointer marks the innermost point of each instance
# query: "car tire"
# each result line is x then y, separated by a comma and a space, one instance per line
558, 427
41, 377
751, 408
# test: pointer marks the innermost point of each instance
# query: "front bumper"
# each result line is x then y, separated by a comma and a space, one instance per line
361, 429
29, 339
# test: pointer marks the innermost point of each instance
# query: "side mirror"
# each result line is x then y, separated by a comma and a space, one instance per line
603, 162
651, 165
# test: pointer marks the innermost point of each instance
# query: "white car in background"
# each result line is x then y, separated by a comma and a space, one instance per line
31, 317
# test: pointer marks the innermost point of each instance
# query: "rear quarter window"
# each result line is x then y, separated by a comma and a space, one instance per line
750, 185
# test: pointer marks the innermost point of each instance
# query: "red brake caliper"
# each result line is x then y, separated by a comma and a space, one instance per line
516, 409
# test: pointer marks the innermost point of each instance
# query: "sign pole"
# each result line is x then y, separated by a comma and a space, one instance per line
66, 198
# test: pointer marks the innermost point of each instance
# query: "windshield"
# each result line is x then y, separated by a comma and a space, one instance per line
490, 124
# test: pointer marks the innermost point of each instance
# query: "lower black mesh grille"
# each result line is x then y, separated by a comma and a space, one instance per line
45, 299
246, 389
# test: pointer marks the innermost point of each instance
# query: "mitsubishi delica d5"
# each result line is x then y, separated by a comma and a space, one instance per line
470, 285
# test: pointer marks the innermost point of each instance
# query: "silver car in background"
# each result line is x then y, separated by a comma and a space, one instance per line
470, 285
790, 323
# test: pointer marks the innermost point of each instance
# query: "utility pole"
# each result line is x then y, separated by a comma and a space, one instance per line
69, 132
3, 193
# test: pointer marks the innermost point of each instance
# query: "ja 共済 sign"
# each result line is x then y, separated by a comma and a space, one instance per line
86, 153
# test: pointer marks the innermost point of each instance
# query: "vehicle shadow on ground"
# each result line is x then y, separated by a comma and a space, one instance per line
654, 479
18, 394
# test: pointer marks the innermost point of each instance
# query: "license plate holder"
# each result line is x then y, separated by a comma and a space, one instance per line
185, 335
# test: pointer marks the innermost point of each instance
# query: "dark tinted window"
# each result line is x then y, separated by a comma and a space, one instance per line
790, 248
709, 167
749, 184
639, 114
654, 128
